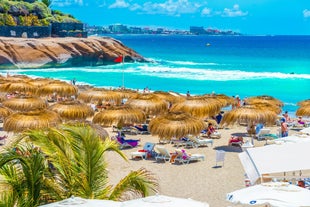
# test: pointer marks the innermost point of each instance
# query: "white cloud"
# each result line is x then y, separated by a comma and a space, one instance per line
119, 4
206, 12
169, 7
135, 7
234, 12
176, 8
306, 13
63, 3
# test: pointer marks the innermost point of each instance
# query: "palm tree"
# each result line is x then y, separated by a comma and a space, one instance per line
26, 177
76, 158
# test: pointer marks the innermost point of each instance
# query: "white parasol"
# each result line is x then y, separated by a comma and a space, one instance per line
81, 202
274, 193
163, 201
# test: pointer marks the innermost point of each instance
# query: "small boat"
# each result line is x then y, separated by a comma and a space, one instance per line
208, 44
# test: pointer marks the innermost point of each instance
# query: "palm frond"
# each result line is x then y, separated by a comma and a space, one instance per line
138, 183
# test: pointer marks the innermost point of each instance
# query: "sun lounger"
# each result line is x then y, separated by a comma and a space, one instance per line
162, 154
146, 152
186, 158
200, 142
127, 142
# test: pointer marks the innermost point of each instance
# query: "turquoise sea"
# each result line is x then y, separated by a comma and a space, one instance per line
234, 65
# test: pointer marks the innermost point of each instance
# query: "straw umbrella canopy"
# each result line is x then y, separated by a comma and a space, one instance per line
2, 96
39, 82
264, 99
119, 115
72, 110
19, 86
223, 100
304, 102
5, 112
266, 106
198, 107
249, 114
303, 111
175, 124
149, 103
25, 103
99, 95
169, 97
59, 87
38, 119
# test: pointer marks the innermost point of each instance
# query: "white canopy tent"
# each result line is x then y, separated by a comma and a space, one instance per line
275, 159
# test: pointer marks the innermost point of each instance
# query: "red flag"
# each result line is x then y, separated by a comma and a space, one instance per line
119, 59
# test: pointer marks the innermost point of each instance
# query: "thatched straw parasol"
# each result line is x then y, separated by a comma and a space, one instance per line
149, 103
25, 103
72, 110
119, 115
222, 99
59, 87
39, 82
175, 124
198, 107
17, 78
303, 111
20, 86
249, 114
264, 99
99, 95
169, 97
39, 119
266, 106
304, 102
5, 112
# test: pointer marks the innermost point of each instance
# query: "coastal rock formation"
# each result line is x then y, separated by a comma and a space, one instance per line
63, 52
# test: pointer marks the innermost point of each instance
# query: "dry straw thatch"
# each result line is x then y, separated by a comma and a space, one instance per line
20, 86
264, 99
25, 103
72, 110
119, 115
175, 124
304, 102
5, 112
198, 106
39, 119
99, 95
149, 103
303, 111
59, 87
249, 114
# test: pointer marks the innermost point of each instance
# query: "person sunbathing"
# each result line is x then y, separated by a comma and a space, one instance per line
210, 129
235, 139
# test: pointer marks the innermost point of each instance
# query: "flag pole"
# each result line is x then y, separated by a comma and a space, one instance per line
123, 72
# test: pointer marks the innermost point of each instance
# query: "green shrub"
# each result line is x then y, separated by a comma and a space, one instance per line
9, 20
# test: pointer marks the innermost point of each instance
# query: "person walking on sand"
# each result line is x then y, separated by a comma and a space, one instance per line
284, 128
188, 94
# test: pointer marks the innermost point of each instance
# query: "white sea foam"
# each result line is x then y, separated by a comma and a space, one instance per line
189, 63
157, 70
211, 74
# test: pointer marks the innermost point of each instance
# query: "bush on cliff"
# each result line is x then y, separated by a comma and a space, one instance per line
30, 13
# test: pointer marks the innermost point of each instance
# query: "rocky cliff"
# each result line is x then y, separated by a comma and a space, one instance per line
62, 52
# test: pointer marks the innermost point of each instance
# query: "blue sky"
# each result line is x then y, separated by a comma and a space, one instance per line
257, 17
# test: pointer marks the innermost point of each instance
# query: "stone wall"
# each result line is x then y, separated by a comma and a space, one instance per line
25, 32
68, 30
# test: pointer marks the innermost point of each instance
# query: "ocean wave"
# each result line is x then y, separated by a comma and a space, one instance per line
188, 73
211, 74
189, 63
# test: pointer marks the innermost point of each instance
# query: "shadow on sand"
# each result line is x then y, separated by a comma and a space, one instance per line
229, 148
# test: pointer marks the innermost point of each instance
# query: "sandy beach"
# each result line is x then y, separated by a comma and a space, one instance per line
200, 180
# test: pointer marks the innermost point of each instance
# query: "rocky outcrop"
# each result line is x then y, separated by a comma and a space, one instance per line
63, 52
